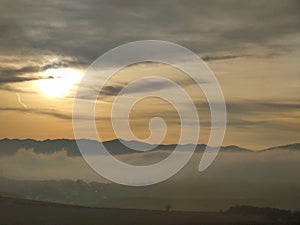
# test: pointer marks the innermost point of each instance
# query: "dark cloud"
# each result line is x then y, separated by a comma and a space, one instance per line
13, 75
85, 30
242, 114
27, 73
111, 90
10, 75
149, 86
55, 65
20, 71
224, 57
255, 107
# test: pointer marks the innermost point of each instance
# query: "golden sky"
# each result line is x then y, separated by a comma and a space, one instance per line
252, 48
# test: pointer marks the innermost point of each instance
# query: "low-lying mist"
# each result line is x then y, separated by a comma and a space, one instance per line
266, 178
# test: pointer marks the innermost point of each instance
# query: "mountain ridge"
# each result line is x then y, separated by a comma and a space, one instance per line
115, 146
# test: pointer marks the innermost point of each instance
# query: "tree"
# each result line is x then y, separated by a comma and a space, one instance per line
168, 207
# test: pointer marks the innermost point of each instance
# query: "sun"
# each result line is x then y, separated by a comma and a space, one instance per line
58, 82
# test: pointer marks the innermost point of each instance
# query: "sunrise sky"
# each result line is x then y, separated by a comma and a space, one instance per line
253, 48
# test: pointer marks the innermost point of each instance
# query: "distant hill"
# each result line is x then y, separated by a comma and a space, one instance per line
23, 212
295, 146
11, 146
115, 147
265, 212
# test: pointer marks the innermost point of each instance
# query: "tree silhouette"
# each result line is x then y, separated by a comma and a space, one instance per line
168, 207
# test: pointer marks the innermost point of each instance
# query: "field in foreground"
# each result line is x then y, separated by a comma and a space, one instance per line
23, 212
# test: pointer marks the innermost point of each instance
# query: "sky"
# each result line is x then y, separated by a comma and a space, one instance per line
252, 47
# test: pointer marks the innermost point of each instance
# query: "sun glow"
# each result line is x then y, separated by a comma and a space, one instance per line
58, 82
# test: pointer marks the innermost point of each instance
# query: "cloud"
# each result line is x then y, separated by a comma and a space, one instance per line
150, 85
268, 114
75, 33
48, 112
14, 75
271, 114
41, 166
209, 26
11, 76
223, 57
29, 73
259, 107
55, 65
20, 71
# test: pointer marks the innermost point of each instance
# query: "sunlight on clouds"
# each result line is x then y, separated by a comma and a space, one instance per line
60, 82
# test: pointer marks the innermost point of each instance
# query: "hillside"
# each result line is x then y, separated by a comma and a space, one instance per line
24, 212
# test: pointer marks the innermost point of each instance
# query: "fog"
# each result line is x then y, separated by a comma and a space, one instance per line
267, 178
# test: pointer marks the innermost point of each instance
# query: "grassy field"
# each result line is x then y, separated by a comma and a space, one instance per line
29, 212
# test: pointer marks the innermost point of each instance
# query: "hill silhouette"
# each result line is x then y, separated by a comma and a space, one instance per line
115, 147
23, 211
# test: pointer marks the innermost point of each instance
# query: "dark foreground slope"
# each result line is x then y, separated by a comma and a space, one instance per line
24, 212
